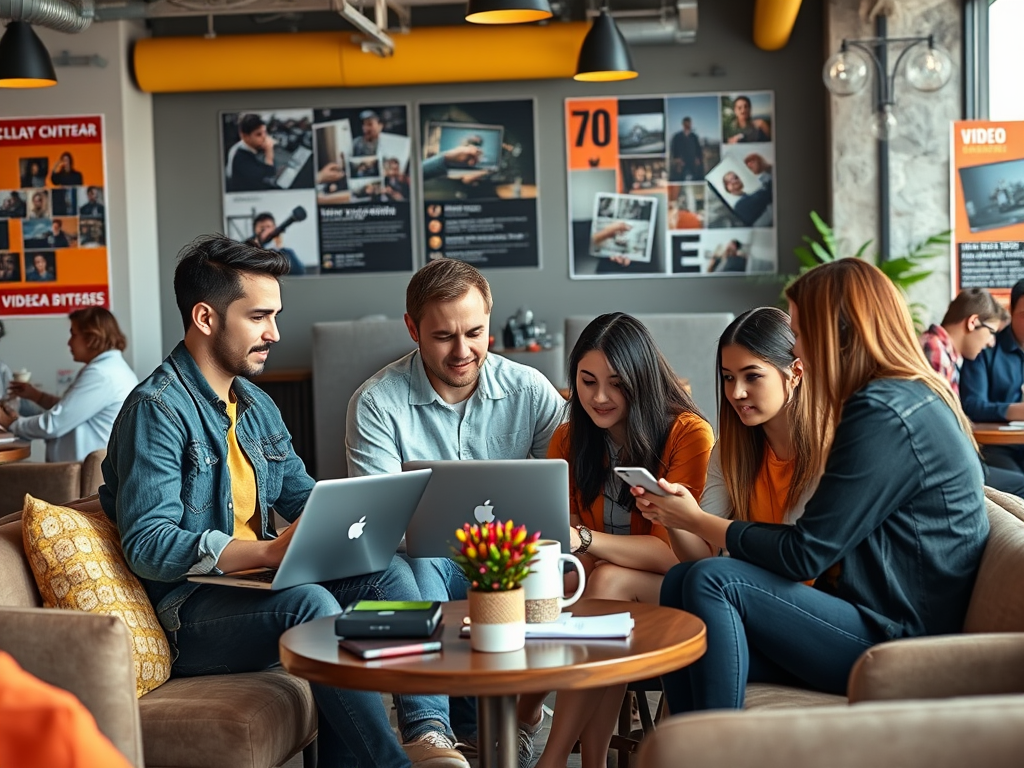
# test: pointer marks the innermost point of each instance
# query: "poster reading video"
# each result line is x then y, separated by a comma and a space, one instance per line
671, 185
479, 174
987, 182
53, 223
327, 187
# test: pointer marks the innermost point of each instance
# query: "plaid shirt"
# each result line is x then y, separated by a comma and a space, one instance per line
942, 356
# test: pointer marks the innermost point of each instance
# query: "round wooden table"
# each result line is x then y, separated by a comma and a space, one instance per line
15, 451
998, 434
663, 639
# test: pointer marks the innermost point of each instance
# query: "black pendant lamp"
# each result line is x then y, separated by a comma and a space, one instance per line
604, 55
24, 60
507, 11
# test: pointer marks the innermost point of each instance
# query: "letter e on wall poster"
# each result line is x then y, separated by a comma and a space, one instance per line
53, 216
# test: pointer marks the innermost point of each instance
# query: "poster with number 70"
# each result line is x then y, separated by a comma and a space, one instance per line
680, 185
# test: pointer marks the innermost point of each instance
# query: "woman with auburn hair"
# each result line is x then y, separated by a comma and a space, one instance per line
893, 534
626, 409
80, 421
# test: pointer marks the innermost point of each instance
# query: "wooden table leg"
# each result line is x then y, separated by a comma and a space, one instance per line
497, 737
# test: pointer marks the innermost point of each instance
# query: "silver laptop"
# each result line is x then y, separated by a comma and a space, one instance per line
534, 492
350, 527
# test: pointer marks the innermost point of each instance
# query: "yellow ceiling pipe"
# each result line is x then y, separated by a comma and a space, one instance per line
773, 23
332, 60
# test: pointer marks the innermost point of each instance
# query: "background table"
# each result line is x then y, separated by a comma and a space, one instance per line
991, 434
664, 639
15, 451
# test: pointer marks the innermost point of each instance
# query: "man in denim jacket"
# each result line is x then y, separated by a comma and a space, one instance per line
197, 459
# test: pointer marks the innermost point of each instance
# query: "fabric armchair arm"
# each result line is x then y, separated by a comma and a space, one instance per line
939, 667
89, 655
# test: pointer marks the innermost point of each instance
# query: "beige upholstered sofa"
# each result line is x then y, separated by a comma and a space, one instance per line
255, 720
927, 702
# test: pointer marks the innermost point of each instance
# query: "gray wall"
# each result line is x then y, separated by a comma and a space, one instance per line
189, 202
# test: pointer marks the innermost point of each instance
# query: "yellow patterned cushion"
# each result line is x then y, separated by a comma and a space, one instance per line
78, 564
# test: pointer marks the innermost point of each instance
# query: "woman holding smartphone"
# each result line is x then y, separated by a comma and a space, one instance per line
893, 534
760, 469
626, 409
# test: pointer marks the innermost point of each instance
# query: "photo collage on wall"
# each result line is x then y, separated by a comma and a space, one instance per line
53, 222
327, 187
678, 185
479, 175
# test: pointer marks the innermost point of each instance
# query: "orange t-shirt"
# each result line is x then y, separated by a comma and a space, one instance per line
42, 726
771, 487
684, 460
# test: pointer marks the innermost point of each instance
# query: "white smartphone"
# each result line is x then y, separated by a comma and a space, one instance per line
639, 477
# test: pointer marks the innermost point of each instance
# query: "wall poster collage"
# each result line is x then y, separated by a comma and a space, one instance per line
987, 183
338, 182
53, 224
336, 179
671, 185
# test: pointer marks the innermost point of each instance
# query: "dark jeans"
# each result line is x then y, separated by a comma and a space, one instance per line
761, 628
226, 630
1004, 468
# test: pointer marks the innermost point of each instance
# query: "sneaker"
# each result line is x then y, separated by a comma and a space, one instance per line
468, 747
527, 735
434, 750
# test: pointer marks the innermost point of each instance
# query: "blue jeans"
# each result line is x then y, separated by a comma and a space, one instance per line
226, 630
761, 628
440, 578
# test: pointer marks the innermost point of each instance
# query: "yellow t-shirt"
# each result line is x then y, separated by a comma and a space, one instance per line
243, 484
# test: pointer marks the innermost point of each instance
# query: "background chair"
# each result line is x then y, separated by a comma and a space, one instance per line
345, 354
59, 481
689, 342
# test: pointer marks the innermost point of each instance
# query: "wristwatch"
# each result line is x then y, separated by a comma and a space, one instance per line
586, 536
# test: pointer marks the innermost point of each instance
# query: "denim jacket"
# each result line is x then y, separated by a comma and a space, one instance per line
899, 508
167, 485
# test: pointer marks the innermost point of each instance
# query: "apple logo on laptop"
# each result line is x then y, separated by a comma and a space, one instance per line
356, 529
484, 513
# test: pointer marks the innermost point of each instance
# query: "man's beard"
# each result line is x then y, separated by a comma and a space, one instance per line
443, 375
237, 365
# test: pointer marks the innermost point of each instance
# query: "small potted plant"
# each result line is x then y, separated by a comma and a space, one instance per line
496, 557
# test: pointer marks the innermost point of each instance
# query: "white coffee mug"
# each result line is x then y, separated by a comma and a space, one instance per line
544, 587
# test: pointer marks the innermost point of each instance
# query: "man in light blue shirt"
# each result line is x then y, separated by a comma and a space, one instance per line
450, 399
80, 422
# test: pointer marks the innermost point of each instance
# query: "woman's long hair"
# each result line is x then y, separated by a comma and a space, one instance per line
855, 327
654, 398
765, 333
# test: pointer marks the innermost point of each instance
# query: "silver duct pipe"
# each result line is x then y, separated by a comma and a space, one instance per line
62, 15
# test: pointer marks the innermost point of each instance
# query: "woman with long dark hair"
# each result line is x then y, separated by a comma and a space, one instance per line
893, 534
627, 408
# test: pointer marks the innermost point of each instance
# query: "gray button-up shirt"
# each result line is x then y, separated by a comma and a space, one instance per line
396, 416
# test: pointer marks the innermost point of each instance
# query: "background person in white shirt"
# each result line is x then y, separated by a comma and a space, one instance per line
80, 422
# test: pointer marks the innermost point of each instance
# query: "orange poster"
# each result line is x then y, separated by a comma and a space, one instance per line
53, 226
988, 205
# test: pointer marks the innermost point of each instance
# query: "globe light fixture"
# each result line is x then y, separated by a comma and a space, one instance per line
846, 73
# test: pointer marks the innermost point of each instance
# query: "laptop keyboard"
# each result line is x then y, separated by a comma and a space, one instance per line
265, 576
